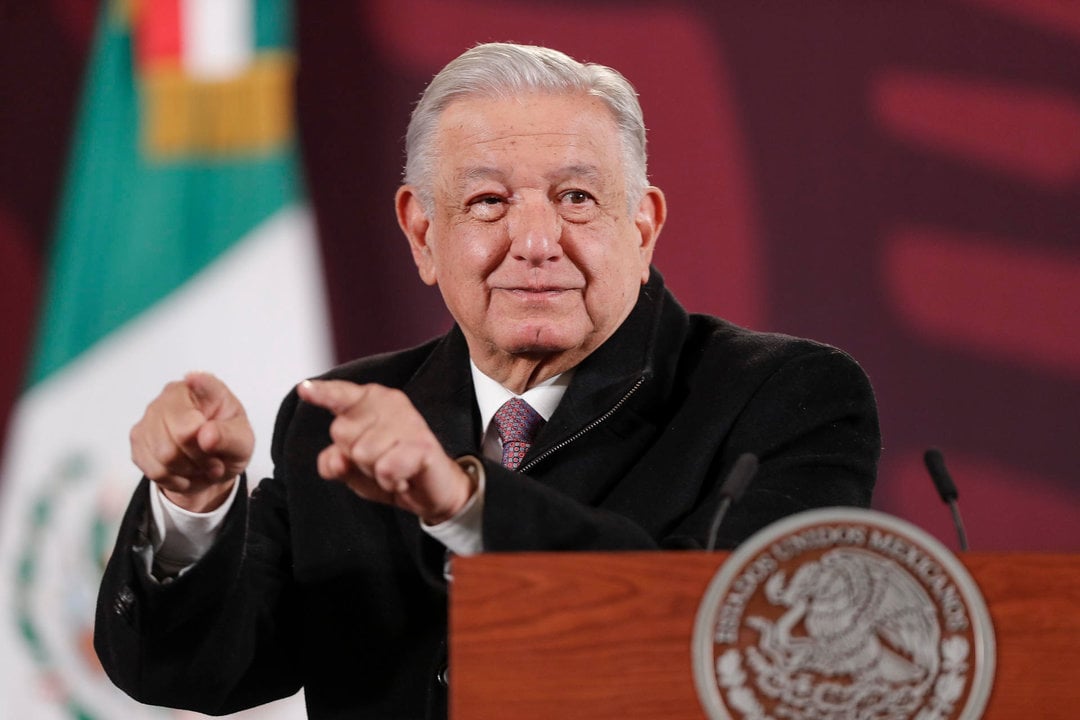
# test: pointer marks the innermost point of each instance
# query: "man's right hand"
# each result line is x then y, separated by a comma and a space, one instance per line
193, 441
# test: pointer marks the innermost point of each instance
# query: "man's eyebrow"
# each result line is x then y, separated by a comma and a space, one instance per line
481, 172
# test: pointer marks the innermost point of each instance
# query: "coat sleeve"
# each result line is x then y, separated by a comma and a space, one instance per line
218, 638
523, 515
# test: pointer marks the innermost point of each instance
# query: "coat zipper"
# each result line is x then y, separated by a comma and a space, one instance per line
598, 421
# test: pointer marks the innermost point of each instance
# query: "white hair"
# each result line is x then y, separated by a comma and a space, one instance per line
505, 70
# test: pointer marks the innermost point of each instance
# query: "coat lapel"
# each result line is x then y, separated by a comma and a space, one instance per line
626, 369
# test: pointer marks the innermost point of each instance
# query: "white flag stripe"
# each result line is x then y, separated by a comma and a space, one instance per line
256, 318
218, 37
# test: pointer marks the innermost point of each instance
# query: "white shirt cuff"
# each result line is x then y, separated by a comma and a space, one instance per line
463, 534
180, 537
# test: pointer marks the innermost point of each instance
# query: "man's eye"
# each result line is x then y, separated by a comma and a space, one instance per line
486, 201
576, 197
487, 207
491, 199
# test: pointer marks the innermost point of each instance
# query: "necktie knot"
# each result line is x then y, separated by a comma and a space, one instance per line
517, 424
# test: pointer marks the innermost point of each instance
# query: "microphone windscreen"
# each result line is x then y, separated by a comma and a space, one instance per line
935, 463
739, 477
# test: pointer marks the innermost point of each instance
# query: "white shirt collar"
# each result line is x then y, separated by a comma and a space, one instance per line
544, 398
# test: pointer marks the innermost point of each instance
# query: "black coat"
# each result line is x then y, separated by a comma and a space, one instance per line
308, 585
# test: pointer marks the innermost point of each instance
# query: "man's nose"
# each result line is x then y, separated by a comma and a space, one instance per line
535, 231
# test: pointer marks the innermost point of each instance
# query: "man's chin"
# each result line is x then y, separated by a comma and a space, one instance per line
538, 342
535, 350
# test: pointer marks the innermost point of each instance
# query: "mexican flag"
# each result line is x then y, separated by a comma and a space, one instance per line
182, 243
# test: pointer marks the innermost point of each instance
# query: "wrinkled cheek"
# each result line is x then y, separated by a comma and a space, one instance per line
482, 250
608, 304
464, 297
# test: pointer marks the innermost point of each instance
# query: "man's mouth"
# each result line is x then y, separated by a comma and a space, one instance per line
536, 292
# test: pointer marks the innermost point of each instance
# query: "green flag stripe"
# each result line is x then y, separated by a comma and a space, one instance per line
131, 231
273, 24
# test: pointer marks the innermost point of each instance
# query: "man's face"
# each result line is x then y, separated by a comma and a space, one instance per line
531, 239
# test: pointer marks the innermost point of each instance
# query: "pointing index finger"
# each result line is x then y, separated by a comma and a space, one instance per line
337, 396
207, 390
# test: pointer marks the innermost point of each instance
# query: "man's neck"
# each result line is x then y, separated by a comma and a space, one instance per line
518, 373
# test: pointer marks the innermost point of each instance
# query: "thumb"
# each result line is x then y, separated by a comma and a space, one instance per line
231, 440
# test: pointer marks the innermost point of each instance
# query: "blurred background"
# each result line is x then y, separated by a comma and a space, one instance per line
899, 179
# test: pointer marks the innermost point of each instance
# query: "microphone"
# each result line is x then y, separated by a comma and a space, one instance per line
733, 487
935, 463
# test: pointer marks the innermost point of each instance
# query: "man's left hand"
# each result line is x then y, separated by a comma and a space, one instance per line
382, 448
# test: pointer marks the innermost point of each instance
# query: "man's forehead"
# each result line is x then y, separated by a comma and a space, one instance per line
529, 139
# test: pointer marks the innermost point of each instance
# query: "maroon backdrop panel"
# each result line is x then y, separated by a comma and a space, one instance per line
43, 47
898, 179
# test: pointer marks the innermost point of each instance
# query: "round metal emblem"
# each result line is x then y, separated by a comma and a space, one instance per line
842, 613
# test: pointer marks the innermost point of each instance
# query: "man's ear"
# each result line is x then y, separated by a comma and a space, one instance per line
415, 223
649, 220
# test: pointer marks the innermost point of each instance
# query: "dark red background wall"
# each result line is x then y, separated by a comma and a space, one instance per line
901, 179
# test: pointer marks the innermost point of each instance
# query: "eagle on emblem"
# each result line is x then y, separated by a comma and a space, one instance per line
856, 628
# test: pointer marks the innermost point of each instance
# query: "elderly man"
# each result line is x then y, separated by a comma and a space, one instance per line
574, 406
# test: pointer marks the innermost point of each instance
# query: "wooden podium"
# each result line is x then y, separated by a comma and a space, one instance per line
608, 635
